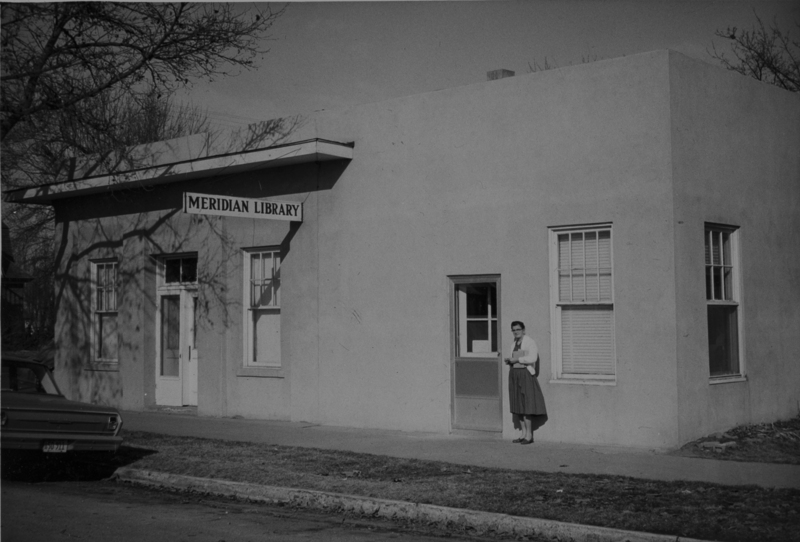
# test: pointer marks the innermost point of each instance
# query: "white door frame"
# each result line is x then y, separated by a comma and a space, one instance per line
178, 390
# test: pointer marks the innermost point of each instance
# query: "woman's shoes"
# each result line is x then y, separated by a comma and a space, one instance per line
517, 440
529, 441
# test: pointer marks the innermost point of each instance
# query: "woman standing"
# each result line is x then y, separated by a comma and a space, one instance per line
525, 395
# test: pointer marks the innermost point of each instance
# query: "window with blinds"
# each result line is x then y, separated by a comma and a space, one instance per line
583, 303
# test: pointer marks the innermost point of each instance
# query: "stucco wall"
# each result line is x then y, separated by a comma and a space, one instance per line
136, 227
75, 246
736, 162
467, 181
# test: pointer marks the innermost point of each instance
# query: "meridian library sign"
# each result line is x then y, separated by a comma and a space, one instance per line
209, 204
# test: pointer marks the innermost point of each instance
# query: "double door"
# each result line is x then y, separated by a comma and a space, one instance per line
176, 368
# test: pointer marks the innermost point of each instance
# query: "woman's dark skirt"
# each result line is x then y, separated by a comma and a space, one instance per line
525, 394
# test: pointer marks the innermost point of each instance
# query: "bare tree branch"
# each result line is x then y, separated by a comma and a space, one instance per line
92, 82
132, 48
767, 54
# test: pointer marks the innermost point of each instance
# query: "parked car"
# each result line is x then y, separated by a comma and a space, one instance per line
36, 416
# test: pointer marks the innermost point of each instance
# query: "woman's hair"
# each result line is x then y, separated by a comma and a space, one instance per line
517, 323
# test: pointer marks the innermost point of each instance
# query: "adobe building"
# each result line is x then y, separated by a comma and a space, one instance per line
362, 267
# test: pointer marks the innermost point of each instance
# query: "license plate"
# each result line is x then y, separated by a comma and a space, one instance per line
55, 447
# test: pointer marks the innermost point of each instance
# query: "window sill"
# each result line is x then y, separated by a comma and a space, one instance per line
261, 372
726, 379
111, 366
584, 381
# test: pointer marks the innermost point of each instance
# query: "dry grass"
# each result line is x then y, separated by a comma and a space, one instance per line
777, 442
691, 509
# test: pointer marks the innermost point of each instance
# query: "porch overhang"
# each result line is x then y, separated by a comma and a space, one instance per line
302, 152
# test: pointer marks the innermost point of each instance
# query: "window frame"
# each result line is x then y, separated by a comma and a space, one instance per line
163, 260
96, 360
557, 305
250, 367
735, 297
492, 320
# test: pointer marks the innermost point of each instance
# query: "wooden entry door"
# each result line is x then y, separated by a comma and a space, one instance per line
476, 376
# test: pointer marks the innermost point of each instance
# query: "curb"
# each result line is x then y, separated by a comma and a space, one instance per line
482, 522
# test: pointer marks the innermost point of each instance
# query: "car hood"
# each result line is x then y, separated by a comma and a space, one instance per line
39, 401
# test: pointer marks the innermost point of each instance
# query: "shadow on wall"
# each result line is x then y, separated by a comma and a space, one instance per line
133, 226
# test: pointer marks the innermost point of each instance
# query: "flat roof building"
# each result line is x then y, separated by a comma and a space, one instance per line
361, 267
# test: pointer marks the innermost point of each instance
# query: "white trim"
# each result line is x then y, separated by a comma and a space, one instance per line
310, 151
260, 372
736, 269
462, 346
250, 367
94, 340
714, 380
556, 346
170, 390
592, 381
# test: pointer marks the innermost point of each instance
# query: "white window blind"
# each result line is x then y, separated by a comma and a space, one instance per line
587, 336
583, 303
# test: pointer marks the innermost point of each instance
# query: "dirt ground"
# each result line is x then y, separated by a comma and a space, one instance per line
777, 442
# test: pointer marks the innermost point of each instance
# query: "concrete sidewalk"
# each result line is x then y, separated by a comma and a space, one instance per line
468, 449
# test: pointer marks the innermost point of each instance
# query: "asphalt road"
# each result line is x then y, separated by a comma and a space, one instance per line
103, 511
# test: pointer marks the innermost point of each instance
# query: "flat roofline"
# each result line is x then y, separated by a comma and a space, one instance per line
301, 152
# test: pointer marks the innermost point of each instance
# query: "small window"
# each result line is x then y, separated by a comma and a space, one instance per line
476, 308
262, 307
180, 270
722, 300
583, 303
104, 328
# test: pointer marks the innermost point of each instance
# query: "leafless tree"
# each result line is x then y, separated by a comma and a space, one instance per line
40, 156
768, 54
83, 79
59, 56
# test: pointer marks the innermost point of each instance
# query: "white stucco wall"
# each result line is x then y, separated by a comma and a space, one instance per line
467, 181
736, 162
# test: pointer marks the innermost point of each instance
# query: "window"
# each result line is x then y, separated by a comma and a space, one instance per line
722, 296
262, 307
104, 303
583, 303
180, 270
476, 305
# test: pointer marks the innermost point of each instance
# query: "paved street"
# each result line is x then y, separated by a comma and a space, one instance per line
103, 511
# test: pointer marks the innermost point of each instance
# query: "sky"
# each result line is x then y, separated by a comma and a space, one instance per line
329, 55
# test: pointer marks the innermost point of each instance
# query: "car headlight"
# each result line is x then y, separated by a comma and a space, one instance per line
114, 422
